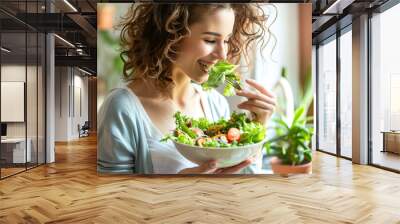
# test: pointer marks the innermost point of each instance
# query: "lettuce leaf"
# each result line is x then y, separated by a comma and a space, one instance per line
218, 75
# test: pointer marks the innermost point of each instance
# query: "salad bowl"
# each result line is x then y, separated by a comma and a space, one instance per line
228, 141
225, 157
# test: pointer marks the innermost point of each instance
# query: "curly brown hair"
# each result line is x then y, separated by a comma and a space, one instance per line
151, 34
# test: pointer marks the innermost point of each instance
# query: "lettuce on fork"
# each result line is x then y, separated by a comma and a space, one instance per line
222, 72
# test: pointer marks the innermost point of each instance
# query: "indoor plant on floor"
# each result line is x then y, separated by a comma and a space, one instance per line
290, 148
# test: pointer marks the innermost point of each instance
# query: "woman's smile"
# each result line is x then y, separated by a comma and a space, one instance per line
204, 66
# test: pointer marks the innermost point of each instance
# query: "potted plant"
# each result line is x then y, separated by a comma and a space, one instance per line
290, 149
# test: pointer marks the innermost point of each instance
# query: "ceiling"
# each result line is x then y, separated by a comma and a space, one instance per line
76, 24
331, 15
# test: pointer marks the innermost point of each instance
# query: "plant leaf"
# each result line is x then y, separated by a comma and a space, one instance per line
298, 114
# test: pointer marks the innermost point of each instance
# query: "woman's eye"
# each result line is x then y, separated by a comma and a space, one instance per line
210, 41
214, 41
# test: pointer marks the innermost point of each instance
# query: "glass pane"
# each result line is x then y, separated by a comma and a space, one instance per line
31, 85
386, 89
346, 94
14, 150
41, 99
327, 97
31, 97
22, 64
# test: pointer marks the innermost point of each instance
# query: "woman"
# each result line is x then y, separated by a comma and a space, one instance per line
167, 47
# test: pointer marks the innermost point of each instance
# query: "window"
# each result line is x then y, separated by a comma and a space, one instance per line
327, 96
385, 89
346, 94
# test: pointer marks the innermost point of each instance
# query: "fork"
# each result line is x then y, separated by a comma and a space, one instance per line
237, 86
234, 83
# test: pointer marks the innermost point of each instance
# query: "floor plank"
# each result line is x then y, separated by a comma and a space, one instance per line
386, 159
70, 191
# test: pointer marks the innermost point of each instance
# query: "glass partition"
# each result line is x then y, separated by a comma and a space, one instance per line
22, 89
15, 151
41, 110
31, 97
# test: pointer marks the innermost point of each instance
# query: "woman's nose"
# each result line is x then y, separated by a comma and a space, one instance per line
220, 52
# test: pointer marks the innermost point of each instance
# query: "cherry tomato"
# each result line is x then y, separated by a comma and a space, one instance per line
233, 134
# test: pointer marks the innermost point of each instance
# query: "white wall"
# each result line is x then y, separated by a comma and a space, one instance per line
79, 117
61, 103
33, 127
70, 83
14, 73
286, 52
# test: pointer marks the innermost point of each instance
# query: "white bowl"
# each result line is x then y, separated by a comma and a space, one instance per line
225, 157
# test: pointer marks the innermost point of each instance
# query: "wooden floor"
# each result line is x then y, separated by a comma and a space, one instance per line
387, 159
70, 191
5, 172
9, 170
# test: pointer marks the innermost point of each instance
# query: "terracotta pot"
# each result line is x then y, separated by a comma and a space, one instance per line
278, 168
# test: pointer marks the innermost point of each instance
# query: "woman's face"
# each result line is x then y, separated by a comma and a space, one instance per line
207, 44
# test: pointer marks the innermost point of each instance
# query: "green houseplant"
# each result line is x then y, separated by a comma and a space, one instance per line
290, 149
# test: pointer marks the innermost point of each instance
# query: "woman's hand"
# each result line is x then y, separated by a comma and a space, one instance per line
211, 168
260, 102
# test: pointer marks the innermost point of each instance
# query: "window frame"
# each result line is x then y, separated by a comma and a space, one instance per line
333, 37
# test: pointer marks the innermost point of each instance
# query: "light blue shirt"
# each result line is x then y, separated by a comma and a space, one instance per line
127, 138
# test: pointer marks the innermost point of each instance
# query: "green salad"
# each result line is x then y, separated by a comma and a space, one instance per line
237, 131
222, 72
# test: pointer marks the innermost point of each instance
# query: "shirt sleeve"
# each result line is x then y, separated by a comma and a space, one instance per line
117, 135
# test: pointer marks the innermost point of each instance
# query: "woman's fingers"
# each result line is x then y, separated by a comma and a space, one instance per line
259, 87
256, 104
205, 168
260, 102
211, 168
236, 168
251, 108
257, 96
